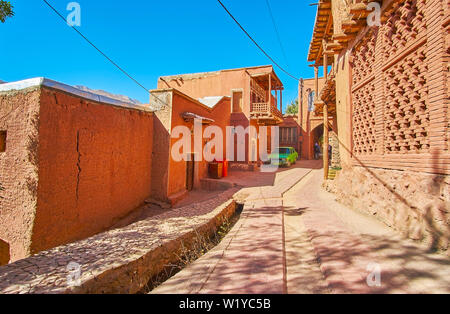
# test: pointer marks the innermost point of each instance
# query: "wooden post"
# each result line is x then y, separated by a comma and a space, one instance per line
276, 97
270, 91
316, 83
281, 100
325, 141
300, 103
325, 59
325, 123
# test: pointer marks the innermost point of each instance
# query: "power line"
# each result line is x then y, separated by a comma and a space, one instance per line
277, 32
101, 52
257, 45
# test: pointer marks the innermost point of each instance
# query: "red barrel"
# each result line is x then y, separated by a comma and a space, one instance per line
225, 168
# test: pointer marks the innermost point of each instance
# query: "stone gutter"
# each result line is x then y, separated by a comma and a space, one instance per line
121, 260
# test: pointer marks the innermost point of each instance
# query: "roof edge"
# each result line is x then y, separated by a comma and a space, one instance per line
168, 77
44, 82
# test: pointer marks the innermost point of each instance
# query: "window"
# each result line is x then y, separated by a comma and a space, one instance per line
288, 135
311, 97
237, 101
2, 141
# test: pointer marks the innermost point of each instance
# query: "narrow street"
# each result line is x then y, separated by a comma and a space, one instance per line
293, 237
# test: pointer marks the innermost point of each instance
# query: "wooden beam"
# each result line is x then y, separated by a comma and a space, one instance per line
319, 55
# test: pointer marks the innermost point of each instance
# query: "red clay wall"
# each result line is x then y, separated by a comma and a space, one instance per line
220, 83
214, 84
221, 116
94, 167
19, 116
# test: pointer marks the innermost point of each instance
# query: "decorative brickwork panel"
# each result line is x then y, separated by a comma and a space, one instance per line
364, 59
399, 48
364, 141
364, 129
447, 69
406, 113
404, 26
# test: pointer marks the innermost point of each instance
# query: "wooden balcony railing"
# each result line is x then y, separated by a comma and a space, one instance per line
265, 111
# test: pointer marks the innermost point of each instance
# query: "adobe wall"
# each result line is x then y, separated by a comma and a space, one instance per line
177, 170
221, 116
169, 117
19, 116
94, 164
415, 204
161, 100
219, 83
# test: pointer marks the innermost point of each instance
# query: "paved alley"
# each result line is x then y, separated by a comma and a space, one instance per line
294, 238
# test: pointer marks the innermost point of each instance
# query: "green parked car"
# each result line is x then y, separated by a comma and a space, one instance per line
284, 156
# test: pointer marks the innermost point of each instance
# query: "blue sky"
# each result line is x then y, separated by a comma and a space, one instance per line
152, 38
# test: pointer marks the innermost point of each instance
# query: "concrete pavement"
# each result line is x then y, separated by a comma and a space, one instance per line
352, 248
293, 237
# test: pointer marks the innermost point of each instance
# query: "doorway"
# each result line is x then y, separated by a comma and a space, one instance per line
190, 172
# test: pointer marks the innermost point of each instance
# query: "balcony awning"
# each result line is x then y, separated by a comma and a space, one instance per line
190, 117
327, 96
323, 28
353, 20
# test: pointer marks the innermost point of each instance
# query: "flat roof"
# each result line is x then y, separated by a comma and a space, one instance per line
210, 73
42, 81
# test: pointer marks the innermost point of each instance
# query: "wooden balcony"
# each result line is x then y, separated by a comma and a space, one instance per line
265, 113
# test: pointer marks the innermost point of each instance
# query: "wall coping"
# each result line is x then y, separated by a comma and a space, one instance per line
44, 82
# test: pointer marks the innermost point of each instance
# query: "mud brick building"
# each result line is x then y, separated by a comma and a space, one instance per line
256, 97
173, 109
387, 86
71, 164
311, 121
